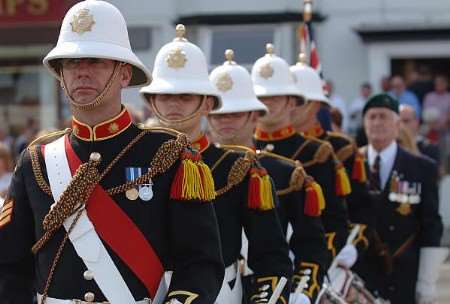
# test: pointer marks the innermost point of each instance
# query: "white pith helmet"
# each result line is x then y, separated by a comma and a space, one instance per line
180, 68
236, 88
271, 76
308, 81
96, 29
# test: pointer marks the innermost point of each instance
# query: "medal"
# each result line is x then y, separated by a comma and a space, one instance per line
393, 197
404, 209
132, 194
146, 192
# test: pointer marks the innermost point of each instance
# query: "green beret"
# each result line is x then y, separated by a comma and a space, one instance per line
381, 101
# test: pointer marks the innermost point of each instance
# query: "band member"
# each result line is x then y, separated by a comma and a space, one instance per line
181, 95
275, 86
99, 212
313, 119
232, 127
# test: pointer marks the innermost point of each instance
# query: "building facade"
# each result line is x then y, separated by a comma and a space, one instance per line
357, 41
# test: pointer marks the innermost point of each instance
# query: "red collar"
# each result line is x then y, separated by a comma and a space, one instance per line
316, 131
277, 135
201, 143
104, 130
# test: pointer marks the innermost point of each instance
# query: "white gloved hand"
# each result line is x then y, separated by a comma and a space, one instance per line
347, 256
298, 298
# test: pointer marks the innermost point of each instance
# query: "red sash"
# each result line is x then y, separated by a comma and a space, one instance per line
120, 233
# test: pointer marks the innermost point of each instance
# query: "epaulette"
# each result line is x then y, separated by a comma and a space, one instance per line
47, 138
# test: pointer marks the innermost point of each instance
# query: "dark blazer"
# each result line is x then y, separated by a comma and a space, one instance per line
403, 229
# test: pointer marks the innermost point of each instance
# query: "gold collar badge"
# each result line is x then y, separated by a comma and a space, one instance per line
82, 21
113, 128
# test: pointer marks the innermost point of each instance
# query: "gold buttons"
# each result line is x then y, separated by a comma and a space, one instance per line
88, 275
89, 297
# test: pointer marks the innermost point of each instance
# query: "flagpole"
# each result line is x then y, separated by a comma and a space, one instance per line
303, 28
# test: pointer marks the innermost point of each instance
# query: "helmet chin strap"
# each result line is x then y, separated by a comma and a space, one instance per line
100, 99
176, 122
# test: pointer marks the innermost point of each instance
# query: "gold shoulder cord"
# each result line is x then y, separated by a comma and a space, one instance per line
345, 152
220, 160
37, 170
296, 182
237, 173
300, 149
298, 175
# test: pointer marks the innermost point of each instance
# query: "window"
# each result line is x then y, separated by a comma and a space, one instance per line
248, 42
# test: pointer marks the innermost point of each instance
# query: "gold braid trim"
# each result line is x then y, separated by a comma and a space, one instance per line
345, 152
298, 175
236, 148
238, 172
220, 160
47, 138
37, 170
323, 153
300, 149
296, 182
169, 131
263, 153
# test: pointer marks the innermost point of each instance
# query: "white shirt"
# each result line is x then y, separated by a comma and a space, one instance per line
387, 159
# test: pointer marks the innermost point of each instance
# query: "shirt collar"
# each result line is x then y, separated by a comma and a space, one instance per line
387, 154
276, 135
104, 130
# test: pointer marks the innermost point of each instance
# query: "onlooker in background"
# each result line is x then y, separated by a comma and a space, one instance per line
404, 96
28, 134
337, 102
6, 168
422, 82
385, 84
411, 122
6, 139
437, 103
355, 113
336, 120
407, 141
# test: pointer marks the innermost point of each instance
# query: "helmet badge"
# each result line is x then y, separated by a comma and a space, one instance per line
82, 21
176, 58
224, 82
266, 71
